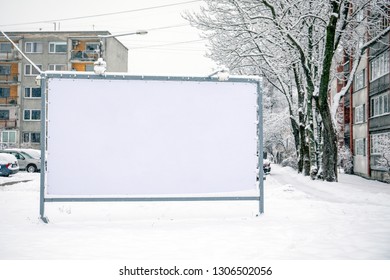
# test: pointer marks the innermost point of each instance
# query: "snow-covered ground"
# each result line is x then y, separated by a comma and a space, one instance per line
303, 219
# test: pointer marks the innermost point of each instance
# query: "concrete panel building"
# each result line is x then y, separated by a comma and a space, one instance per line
366, 109
20, 96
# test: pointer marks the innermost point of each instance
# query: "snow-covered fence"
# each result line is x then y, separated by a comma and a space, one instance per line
117, 137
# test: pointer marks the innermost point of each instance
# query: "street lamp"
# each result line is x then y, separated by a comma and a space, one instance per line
100, 64
138, 32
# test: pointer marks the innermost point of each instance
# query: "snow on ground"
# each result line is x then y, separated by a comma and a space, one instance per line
303, 219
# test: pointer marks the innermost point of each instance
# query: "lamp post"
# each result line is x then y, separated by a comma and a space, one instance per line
100, 64
138, 32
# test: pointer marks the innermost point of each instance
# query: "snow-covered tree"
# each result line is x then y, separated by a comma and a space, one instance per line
292, 44
278, 139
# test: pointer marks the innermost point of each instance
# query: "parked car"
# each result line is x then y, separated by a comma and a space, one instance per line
266, 166
8, 164
32, 152
25, 160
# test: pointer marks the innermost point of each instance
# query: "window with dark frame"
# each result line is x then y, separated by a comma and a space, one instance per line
4, 114
5, 92
58, 47
32, 115
32, 92
34, 47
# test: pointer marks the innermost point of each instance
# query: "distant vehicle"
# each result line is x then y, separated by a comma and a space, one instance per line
8, 164
31, 152
266, 166
26, 161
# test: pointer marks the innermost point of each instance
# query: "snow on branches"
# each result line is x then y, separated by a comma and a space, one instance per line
293, 44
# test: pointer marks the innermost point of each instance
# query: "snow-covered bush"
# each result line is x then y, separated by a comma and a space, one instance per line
345, 160
291, 162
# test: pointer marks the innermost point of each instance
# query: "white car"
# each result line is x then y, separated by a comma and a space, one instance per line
8, 164
25, 160
32, 152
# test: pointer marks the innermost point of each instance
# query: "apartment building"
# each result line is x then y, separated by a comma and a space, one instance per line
366, 109
378, 105
20, 96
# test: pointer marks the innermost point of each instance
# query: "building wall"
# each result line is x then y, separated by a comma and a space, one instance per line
379, 123
359, 102
9, 102
117, 57
114, 50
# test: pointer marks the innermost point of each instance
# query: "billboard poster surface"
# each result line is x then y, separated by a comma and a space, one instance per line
111, 137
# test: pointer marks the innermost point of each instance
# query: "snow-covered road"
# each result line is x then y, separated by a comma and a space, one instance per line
350, 189
303, 219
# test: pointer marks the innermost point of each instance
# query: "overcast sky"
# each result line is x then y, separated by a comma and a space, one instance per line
171, 47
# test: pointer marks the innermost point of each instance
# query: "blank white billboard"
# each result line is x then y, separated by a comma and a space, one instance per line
150, 137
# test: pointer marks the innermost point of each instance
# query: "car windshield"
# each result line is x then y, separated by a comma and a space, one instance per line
32, 153
26, 155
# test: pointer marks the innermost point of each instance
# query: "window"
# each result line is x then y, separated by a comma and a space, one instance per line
4, 92
32, 92
31, 137
380, 66
30, 70
8, 136
5, 47
34, 47
32, 115
359, 114
379, 143
380, 105
5, 69
360, 80
4, 114
92, 47
58, 47
360, 147
57, 67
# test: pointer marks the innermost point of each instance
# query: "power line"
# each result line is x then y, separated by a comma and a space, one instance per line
168, 44
106, 14
166, 27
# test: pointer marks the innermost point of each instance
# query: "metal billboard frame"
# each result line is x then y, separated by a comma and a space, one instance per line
43, 78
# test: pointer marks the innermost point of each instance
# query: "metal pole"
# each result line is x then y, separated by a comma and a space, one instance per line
43, 149
260, 145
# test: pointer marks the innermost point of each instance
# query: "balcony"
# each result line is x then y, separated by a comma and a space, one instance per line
379, 46
380, 122
9, 78
84, 55
10, 56
379, 85
11, 123
10, 100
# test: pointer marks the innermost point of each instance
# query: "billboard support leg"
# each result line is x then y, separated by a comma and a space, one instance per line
260, 146
42, 81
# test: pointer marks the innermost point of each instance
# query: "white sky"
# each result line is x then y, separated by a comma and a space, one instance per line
163, 51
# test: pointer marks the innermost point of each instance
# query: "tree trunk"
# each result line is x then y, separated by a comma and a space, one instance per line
303, 149
313, 169
295, 132
329, 156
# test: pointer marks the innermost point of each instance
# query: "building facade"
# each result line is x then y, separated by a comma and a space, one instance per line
366, 110
378, 106
20, 96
